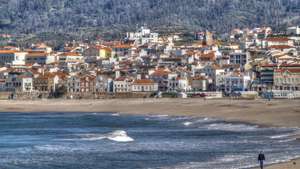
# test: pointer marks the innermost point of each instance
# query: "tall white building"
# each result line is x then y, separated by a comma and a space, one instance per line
236, 82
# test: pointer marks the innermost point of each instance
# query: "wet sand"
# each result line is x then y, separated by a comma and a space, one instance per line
281, 113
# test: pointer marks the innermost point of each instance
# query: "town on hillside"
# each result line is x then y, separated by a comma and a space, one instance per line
246, 63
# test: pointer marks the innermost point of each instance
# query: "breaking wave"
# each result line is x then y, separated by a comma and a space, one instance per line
203, 120
117, 136
282, 136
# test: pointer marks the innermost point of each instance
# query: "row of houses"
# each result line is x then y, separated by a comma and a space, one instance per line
145, 62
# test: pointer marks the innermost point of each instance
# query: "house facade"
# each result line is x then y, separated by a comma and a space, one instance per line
144, 85
287, 79
122, 85
12, 57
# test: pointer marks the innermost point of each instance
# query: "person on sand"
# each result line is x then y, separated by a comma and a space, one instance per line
261, 159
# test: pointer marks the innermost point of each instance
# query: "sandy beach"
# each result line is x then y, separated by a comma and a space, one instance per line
281, 113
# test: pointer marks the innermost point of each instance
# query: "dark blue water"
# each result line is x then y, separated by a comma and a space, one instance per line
109, 141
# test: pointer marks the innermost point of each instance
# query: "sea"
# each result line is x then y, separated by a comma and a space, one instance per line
117, 141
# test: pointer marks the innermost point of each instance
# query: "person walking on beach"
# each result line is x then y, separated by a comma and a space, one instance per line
261, 159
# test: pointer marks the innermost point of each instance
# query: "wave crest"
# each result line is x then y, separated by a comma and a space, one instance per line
118, 136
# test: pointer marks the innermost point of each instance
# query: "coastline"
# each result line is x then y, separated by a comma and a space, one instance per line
277, 113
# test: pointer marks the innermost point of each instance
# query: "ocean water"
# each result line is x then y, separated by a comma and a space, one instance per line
113, 141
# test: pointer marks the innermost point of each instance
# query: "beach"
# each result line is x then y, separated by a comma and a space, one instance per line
278, 113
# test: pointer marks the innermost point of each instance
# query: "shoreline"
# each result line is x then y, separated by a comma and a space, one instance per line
277, 113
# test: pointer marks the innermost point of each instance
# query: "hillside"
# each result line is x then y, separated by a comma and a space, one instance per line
32, 16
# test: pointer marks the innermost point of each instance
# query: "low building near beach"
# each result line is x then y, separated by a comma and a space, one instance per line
122, 85
144, 85
237, 82
287, 79
199, 83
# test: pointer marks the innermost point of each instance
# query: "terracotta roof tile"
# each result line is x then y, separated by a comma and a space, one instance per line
8, 51
280, 47
277, 39
143, 82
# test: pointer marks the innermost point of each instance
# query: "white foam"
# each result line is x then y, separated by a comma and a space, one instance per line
52, 148
287, 140
118, 136
284, 135
207, 119
230, 158
160, 116
188, 123
92, 137
180, 118
231, 127
115, 114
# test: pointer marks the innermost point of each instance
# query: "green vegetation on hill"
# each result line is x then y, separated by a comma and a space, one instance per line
85, 17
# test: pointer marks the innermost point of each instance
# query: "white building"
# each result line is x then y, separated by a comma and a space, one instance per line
143, 36
122, 85
238, 58
199, 83
236, 82
70, 60
71, 57
26, 84
276, 41
172, 82
12, 57
219, 79
295, 30
183, 84
73, 84
144, 85
103, 83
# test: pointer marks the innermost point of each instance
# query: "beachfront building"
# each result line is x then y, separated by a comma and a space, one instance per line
161, 76
264, 77
12, 82
199, 83
172, 82
144, 85
103, 84
122, 85
183, 84
286, 79
26, 83
40, 84
236, 82
219, 80
73, 84
87, 83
